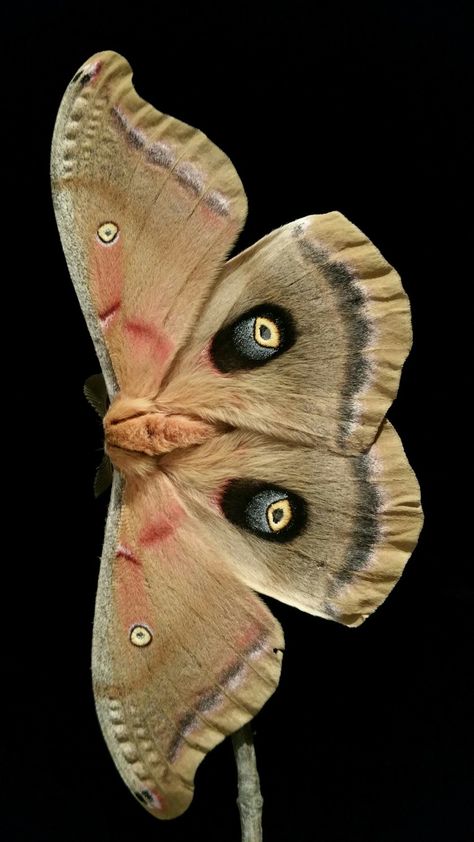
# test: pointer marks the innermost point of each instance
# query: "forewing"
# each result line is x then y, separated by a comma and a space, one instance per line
353, 521
183, 652
147, 208
343, 328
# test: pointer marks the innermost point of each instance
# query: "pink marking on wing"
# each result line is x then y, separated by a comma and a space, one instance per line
143, 333
106, 279
216, 498
107, 316
255, 649
252, 639
162, 527
140, 330
95, 70
125, 552
156, 532
132, 600
157, 802
205, 358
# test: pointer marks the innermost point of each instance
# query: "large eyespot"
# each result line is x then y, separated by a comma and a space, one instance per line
253, 339
107, 233
267, 510
140, 635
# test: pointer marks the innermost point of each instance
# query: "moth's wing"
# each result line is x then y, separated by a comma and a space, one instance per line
346, 325
147, 209
210, 654
309, 409
354, 520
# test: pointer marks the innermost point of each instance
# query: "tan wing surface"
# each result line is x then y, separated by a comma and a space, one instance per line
183, 653
352, 523
326, 284
147, 209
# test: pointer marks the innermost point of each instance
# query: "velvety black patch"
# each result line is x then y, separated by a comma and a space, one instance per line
85, 79
76, 76
245, 503
235, 348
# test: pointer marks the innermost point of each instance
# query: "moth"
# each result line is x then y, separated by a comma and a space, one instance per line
246, 426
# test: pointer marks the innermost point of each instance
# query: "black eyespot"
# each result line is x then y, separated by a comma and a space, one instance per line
266, 510
258, 335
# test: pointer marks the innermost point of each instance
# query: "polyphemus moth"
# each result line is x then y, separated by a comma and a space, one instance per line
246, 426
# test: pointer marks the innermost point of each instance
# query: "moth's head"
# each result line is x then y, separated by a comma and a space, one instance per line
138, 432
120, 430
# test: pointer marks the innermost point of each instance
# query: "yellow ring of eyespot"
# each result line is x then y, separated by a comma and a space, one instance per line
140, 635
272, 341
107, 232
284, 505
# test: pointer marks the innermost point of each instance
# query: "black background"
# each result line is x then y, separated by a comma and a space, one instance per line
320, 106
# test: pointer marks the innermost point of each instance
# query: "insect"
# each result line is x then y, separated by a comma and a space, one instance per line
246, 426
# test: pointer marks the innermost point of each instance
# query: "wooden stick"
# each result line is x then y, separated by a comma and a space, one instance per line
249, 801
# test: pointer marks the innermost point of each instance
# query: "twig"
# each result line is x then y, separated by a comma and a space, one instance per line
249, 801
